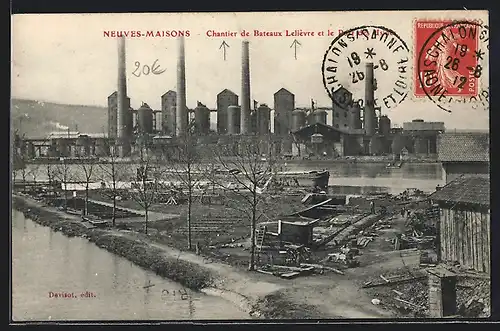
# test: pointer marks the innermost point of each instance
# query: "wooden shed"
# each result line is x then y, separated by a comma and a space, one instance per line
464, 222
296, 231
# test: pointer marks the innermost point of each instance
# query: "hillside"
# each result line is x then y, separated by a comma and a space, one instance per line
40, 118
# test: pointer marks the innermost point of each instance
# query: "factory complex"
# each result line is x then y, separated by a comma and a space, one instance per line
426, 248
352, 130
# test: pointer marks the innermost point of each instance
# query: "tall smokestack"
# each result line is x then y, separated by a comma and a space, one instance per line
245, 89
181, 117
369, 117
122, 101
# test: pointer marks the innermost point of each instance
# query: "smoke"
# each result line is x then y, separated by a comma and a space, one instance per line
59, 126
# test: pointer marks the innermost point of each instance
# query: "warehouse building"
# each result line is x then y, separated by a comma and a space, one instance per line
464, 154
464, 225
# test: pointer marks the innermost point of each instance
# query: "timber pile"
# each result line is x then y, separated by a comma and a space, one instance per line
406, 290
363, 241
419, 241
210, 226
329, 229
395, 279
287, 272
365, 222
290, 272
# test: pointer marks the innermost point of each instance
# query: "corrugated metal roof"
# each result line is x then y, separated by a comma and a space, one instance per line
464, 147
473, 190
63, 134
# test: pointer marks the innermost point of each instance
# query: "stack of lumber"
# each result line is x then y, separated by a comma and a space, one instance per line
363, 241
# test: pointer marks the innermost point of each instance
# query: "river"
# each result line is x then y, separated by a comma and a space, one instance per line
106, 286
345, 178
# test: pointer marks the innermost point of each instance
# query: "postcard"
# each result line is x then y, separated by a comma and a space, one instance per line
250, 166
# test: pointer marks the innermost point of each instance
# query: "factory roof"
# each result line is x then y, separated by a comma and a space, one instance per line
471, 190
73, 135
323, 129
63, 134
464, 147
114, 94
168, 92
226, 91
283, 90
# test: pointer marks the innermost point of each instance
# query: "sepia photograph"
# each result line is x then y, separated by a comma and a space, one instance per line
250, 166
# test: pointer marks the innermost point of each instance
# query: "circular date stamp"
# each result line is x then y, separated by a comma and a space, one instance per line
345, 62
452, 65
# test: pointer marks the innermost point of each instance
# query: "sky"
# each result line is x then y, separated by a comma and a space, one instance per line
66, 58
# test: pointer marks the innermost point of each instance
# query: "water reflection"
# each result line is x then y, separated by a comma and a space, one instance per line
44, 262
50, 235
115, 272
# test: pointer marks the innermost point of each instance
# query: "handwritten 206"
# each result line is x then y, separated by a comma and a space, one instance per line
146, 69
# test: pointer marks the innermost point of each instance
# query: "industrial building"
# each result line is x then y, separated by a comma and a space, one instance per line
353, 130
168, 108
464, 154
464, 225
423, 135
225, 99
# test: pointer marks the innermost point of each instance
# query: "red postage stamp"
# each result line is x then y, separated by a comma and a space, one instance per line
451, 49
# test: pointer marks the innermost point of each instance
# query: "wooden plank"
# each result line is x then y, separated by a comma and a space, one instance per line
290, 275
482, 239
409, 303
444, 235
322, 267
470, 240
400, 281
450, 235
473, 241
441, 235
458, 221
461, 238
448, 216
478, 244
464, 239
453, 239
478, 241
483, 243
488, 241
480, 257
467, 241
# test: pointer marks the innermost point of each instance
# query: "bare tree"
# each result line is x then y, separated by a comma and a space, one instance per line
87, 169
34, 171
111, 172
250, 168
146, 184
185, 166
62, 173
20, 160
24, 172
49, 168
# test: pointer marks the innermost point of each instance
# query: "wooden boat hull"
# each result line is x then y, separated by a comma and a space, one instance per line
95, 221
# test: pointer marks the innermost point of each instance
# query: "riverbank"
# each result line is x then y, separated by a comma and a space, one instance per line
289, 161
246, 290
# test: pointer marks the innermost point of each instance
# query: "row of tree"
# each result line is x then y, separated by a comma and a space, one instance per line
241, 172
